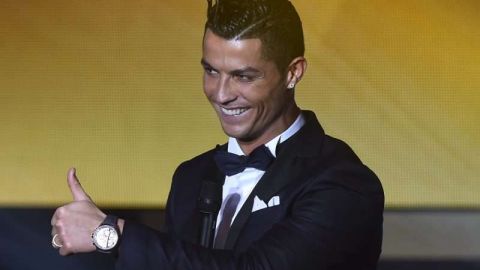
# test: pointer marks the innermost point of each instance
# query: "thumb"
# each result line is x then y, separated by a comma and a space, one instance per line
75, 188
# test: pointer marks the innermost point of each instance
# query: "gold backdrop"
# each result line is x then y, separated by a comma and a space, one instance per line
114, 89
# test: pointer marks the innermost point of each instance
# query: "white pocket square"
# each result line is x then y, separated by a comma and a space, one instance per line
259, 204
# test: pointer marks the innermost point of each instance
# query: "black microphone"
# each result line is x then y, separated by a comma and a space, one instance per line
209, 202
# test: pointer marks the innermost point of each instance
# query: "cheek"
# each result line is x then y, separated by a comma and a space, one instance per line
270, 104
261, 98
208, 87
254, 94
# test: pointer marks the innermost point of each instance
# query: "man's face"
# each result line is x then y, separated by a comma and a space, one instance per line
248, 92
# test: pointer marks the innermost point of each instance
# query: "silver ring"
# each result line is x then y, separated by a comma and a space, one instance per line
54, 243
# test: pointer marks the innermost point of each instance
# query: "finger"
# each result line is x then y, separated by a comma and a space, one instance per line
56, 215
53, 220
75, 188
64, 250
56, 242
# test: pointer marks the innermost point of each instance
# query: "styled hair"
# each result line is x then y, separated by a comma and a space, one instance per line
275, 22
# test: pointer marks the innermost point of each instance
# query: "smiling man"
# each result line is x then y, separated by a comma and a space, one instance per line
289, 196
252, 55
252, 95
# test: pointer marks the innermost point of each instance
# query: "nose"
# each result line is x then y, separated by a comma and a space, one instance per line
225, 91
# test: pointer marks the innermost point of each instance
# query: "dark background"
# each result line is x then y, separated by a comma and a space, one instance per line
25, 243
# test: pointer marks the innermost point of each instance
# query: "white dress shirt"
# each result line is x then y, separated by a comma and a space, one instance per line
244, 182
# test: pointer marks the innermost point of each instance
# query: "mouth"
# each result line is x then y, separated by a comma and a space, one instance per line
234, 111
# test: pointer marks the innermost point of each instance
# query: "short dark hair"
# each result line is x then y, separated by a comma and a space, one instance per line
275, 22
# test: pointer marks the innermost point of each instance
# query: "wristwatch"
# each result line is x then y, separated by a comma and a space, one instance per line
106, 237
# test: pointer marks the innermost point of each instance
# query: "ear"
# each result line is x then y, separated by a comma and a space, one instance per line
295, 71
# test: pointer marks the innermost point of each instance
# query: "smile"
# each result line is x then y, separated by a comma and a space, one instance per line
234, 112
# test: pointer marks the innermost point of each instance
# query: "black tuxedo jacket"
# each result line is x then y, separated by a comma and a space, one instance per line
329, 216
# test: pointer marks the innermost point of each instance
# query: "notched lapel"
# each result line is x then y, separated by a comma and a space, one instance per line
289, 165
210, 173
282, 171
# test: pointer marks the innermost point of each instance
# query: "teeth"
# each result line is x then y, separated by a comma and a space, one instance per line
233, 111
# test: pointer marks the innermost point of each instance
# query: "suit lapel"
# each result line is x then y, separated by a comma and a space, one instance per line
276, 177
210, 173
288, 165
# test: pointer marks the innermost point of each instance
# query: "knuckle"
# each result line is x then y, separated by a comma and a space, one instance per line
62, 252
58, 224
62, 239
67, 246
60, 212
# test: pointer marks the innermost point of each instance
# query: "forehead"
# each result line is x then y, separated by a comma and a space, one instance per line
244, 52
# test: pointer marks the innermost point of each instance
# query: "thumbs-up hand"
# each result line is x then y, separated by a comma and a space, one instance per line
74, 223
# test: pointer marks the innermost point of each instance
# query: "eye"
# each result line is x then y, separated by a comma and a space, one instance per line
245, 78
209, 70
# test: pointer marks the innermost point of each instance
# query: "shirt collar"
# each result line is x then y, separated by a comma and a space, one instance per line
234, 147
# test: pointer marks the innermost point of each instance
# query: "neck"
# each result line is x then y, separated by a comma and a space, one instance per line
284, 122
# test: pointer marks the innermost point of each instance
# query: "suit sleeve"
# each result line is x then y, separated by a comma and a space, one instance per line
335, 223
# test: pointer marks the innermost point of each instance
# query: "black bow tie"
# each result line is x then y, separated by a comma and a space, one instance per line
231, 164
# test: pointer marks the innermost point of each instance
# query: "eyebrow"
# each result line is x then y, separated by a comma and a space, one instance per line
204, 63
244, 70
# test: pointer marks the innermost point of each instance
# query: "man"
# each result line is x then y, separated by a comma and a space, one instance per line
300, 200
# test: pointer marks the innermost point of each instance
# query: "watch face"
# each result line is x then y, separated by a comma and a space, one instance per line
105, 237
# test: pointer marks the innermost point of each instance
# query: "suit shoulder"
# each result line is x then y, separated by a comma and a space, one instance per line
202, 159
338, 150
199, 167
344, 167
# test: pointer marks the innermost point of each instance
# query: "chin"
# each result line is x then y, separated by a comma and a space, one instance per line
233, 132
